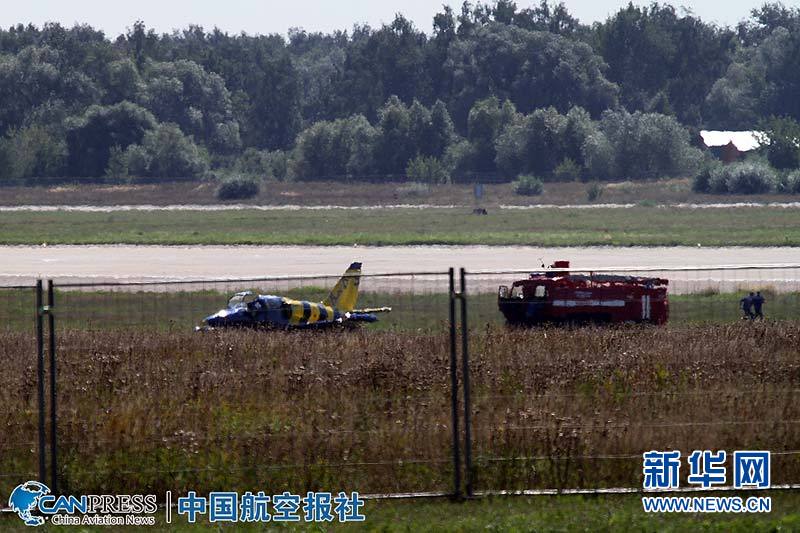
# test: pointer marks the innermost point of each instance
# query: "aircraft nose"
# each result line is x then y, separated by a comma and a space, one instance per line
213, 320
223, 317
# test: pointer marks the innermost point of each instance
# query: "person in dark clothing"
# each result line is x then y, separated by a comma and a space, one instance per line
758, 302
746, 304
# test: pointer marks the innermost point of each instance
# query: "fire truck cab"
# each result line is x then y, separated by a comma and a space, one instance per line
559, 296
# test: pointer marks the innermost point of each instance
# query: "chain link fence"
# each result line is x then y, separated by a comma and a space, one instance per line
575, 406
148, 404
18, 394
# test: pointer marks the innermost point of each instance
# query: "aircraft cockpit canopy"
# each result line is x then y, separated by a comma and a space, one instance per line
242, 298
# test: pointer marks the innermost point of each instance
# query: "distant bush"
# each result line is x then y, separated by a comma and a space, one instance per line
460, 157
173, 153
427, 170
598, 155
91, 136
781, 136
594, 191
793, 182
165, 152
567, 170
31, 151
639, 145
237, 188
333, 149
718, 180
279, 164
749, 178
528, 185
742, 178
136, 161
263, 163
702, 180
117, 163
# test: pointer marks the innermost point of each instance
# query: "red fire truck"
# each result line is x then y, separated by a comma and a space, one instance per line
560, 296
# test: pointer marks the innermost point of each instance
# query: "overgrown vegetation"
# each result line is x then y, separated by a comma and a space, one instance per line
237, 188
528, 186
594, 191
740, 178
495, 91
175, 410
793, 182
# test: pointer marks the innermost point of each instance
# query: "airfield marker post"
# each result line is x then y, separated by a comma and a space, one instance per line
465, 371
53, 396
40, 377
454, 388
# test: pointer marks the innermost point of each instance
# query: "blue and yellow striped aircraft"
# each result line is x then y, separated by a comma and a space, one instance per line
246, 309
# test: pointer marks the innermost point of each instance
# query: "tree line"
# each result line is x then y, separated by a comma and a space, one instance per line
490, 90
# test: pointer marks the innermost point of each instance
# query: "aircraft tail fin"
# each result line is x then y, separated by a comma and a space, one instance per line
344, 295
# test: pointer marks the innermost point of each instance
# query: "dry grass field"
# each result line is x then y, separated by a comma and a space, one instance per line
369, 410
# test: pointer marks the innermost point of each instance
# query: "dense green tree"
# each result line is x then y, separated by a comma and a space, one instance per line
91, 136
32, 151
532, 69
424, 169
766, 19
258, 71
545, 17
782, 139
317, 59
577, 129
352, 147
441, 132
534, 144
444, 34
166, 152
493, 86
27, 80
394, 145
390, 61
263, 163
182, 92
123, 81
488, 118
763, 81
657, 56
335, 149
639, 146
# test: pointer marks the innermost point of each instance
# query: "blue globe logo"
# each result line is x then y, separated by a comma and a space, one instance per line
24, 499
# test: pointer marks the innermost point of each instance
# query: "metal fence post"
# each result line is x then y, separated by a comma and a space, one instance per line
40, 377
53, 396
465, 378
454, 389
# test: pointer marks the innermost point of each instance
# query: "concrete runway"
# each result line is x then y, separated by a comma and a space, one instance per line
22, 264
